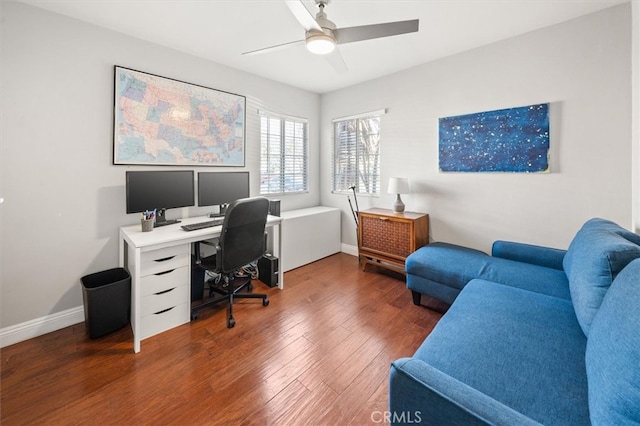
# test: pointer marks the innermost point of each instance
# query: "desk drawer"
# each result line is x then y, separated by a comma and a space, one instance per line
151, 255
164, 280
164, 320
162, 260
155, 303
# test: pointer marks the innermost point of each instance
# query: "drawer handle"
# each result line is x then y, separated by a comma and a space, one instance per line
164, 259
165, 272
165, 291
384, 219
166, 310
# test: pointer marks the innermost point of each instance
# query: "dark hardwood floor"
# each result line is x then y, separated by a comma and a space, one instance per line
318, 354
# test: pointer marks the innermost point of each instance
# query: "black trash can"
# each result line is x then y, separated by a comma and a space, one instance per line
107, 301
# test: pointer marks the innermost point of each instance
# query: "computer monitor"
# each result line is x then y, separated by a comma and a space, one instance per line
159, 190
221, 188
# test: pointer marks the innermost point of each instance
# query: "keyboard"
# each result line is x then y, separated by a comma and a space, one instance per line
202, 225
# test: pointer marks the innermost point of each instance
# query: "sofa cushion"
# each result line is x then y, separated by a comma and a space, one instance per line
613, 353
446, 263
596, 255
529, 253
455, 266
521, 348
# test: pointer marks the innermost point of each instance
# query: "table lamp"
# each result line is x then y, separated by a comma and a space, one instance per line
398, 186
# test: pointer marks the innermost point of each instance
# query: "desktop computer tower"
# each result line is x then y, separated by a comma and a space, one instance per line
268, 270
197, 280
274, 207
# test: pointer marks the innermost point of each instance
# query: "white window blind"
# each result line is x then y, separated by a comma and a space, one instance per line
356, 153
283, 154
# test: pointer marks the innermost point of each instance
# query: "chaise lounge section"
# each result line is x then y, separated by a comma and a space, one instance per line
441, 270
533, 336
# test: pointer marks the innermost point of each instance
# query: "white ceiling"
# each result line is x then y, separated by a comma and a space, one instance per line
220, 30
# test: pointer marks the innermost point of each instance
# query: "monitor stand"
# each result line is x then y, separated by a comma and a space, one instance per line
222, 211
165, 223
162, 221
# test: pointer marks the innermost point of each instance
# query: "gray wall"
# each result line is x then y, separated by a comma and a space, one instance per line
582, 67
64, 200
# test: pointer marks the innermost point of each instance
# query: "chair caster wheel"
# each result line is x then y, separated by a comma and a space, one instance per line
265, 302
231, 323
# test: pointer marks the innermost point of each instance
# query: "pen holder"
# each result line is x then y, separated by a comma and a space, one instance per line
147, 225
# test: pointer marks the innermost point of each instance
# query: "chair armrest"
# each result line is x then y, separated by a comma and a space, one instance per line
209, 261
528, 253
417, 389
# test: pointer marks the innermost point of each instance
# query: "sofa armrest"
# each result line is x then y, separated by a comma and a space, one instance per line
420, 393
528, 253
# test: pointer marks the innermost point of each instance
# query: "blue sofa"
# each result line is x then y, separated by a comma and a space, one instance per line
533, 335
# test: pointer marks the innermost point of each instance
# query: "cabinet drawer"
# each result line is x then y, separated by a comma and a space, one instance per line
164, 252
157, 302
161, 321
156, 261
155, 283
385, 235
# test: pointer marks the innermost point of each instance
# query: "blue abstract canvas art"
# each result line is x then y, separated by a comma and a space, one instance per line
506, 140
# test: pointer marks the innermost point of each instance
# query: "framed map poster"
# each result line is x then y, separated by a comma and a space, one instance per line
161, 121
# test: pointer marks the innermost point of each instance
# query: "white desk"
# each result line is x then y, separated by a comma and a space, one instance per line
160, 266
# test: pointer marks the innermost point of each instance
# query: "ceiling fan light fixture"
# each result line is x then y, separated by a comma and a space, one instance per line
320, 43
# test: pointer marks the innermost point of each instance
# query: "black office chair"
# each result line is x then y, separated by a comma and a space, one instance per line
241, 242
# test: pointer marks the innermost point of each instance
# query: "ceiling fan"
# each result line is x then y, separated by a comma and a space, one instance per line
322, 36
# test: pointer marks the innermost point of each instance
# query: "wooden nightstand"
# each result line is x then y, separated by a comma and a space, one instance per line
386, 238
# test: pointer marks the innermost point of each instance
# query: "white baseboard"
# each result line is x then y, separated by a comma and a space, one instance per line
349, 249
39, 326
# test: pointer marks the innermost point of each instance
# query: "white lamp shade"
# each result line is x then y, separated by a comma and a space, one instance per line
398, 185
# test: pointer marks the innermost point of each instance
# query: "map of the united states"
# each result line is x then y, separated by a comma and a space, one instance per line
164, 121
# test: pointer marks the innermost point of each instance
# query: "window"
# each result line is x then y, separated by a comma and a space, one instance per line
356, 155
283, 154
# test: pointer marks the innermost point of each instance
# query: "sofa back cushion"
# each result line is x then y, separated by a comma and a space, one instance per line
599, 251
613, 353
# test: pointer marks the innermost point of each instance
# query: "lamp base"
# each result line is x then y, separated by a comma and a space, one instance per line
398, 205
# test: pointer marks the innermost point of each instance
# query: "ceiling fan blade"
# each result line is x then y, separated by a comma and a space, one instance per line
302, 14
336, 61
273, 48
368, 32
